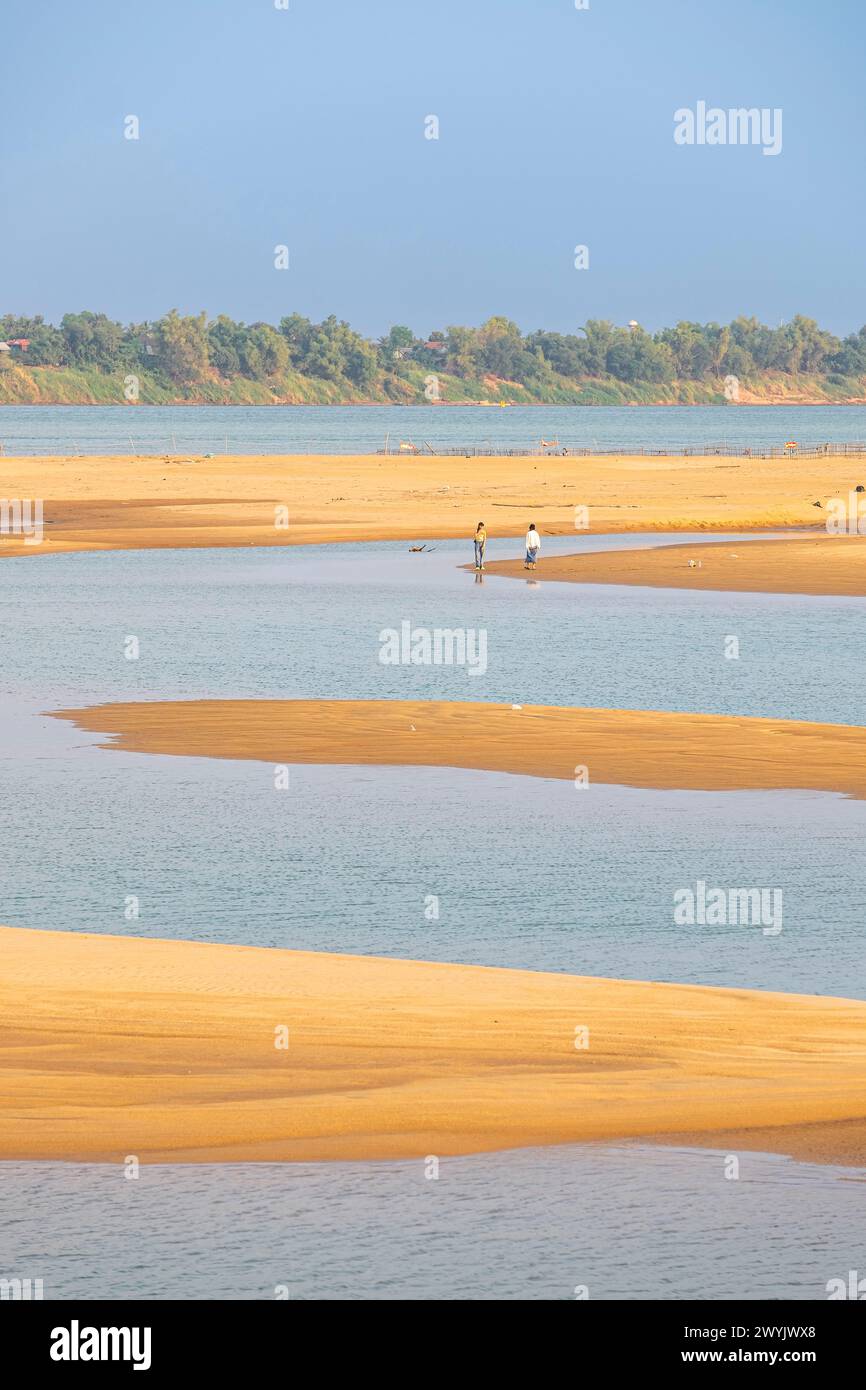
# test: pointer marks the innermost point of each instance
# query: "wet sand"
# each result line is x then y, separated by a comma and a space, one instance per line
801, 565
122, 503
626, 747
166, 1050
118, 1046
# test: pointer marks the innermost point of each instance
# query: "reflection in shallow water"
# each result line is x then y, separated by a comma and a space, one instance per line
621, 1221
304, 623
528, 872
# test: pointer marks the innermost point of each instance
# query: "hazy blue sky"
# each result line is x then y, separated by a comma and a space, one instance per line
306, 127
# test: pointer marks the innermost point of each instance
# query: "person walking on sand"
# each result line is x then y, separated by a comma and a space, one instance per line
480, 542
533, 545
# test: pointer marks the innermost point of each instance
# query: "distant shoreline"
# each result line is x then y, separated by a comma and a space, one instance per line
197, 358
857, 402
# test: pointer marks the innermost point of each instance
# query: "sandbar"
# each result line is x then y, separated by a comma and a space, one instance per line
125, 502
172, 1051
793, 565
635, 748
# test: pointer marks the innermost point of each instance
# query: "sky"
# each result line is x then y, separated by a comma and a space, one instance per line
305, 127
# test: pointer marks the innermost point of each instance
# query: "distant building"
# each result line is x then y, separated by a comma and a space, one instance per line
4, 347
21, 343
436, 345
633, 324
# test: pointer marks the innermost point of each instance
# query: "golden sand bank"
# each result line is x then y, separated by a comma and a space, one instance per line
127, 503
801, 565
173, 1051
629, 747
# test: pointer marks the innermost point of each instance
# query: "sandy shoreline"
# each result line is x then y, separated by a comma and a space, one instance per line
117, 1046
163, 1049
627, 747
809, 565
111, 503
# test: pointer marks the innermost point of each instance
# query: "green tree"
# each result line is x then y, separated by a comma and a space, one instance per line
564, 352
225, 340
297, 332
265, 353
850, 360
92, 340
182, 346
500, 349
737, 362
47, 347
398, 343
460, 357
634, 356
599, 337
693, 349
361, 362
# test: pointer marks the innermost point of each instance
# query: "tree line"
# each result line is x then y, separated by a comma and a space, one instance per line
185, 349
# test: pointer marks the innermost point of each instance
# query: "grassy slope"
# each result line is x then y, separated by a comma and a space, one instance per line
21, 385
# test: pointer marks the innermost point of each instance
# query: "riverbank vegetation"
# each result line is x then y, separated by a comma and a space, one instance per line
90, 359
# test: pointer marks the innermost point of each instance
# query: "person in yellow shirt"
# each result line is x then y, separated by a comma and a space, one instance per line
480, 542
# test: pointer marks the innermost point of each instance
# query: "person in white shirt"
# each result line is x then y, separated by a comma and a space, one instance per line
533, 545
